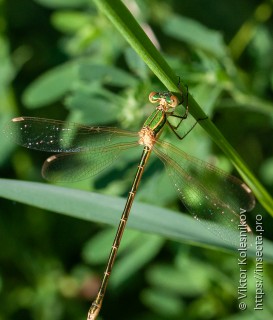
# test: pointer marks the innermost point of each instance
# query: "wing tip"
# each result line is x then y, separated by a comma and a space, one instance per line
18, 119
52, 158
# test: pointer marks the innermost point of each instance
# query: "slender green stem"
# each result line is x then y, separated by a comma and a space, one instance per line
245, 34
124, 21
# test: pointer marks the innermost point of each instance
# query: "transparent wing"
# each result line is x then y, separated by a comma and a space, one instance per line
58, 136
208, 193
68, 167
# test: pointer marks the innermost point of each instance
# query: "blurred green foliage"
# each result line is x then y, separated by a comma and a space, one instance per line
64, 60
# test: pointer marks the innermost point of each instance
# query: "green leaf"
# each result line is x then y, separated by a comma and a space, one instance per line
95, 104
186, 282
50, 86
94, 109
7, 69
266, 171
69, 21
162, 303
106, 74
136, 64
139, 253
106, 209
207, 94
63, 3
195, 34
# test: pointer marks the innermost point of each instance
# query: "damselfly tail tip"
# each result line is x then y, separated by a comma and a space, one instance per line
93, 312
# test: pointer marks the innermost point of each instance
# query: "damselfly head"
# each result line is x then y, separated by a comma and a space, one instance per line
165, 99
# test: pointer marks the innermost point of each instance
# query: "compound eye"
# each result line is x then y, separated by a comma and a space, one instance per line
174, 101
154, 97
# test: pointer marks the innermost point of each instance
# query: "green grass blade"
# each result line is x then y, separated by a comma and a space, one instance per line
106, 209
123, 20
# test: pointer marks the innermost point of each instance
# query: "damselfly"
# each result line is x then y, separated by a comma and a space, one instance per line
207, 192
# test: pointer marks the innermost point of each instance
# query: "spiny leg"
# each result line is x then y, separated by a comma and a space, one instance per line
183, 117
